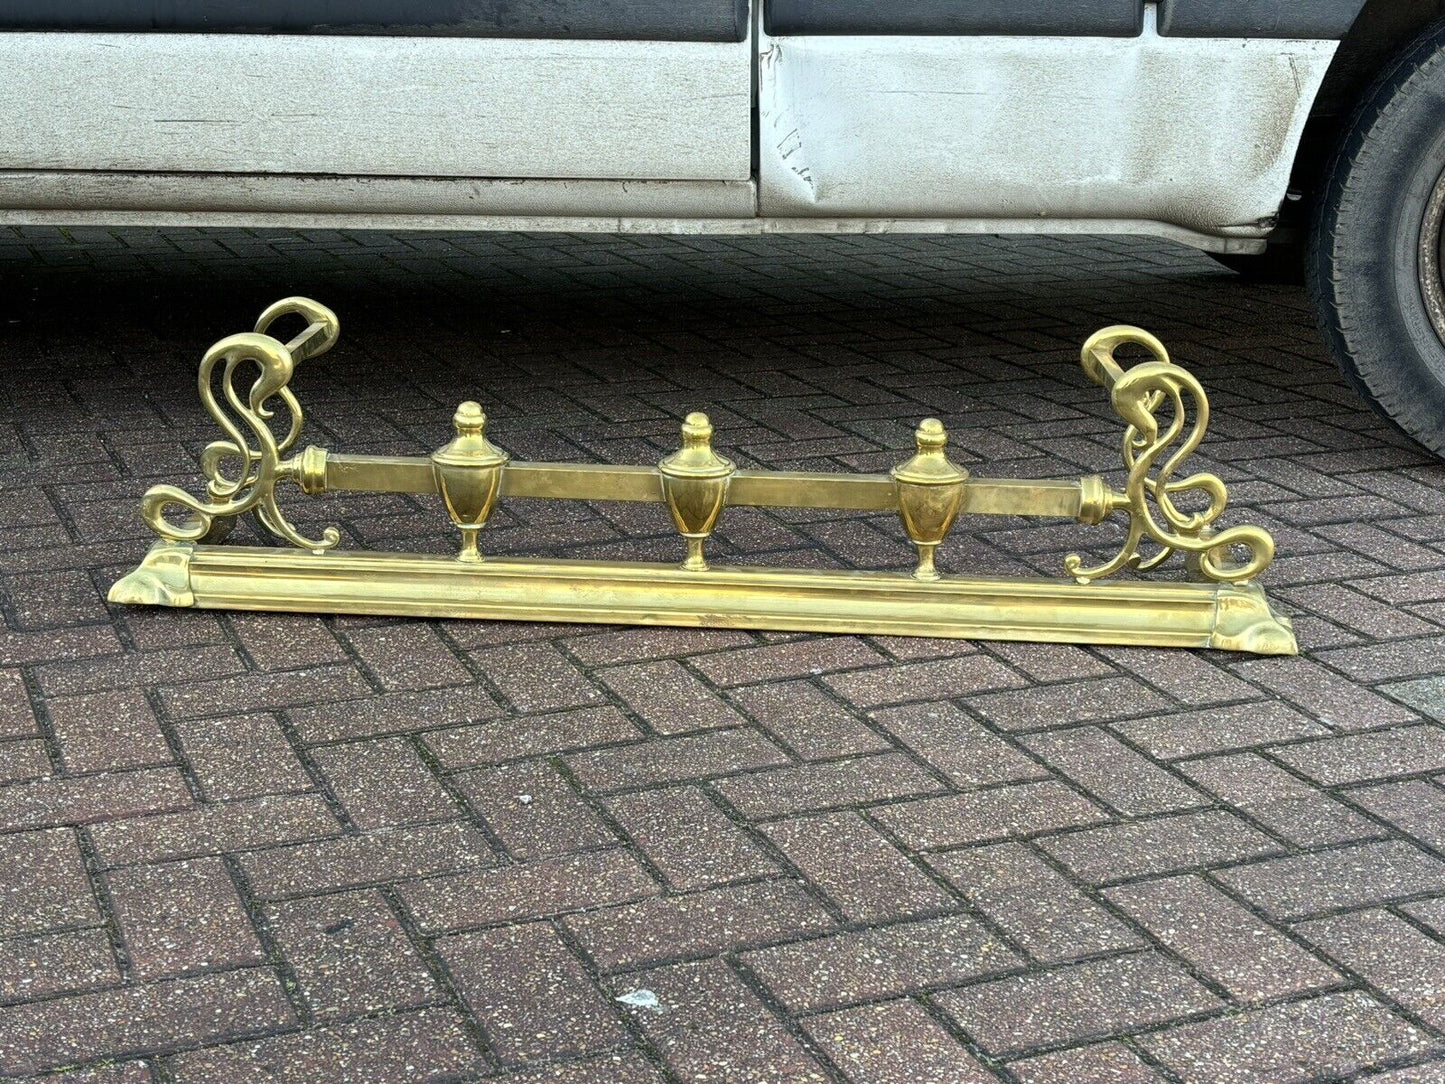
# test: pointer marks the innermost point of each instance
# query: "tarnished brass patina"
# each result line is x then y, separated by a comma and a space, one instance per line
1165, 410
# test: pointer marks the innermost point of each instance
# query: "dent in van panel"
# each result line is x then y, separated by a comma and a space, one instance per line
1200, 133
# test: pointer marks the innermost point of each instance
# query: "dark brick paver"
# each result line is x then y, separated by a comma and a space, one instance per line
238, 847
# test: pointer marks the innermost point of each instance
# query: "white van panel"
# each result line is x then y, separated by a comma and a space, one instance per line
1193, 132
458, 107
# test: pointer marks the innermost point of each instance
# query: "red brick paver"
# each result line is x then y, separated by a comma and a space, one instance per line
239, 847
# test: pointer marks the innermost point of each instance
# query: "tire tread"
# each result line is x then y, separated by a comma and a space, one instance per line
1382, 385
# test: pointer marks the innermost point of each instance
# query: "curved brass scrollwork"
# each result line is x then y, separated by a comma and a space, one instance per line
249, 485
1168, 414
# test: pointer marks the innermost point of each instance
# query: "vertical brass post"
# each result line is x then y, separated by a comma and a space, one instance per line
931, 490
469, 475
1194, 560
695, 486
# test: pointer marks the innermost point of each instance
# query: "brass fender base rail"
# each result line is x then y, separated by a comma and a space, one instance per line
1165, 410
1235, 617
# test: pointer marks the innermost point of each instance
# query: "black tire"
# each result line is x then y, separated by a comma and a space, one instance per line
1278, 265
1368, 267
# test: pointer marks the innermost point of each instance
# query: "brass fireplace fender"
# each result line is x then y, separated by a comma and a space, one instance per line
1166, 414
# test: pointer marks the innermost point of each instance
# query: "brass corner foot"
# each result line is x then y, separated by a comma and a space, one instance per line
1245, 621
163, 578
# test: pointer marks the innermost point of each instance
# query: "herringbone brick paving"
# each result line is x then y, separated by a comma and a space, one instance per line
238, 848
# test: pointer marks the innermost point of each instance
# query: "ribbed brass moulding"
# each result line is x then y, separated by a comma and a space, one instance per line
1218, 604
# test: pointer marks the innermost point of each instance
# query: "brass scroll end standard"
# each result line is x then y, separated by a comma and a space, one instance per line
251, 452
1164, 409
1167, 414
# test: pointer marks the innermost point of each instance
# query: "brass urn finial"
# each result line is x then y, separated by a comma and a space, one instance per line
469, 475
931, 490
695, 486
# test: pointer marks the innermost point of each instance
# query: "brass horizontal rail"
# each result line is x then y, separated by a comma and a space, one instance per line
747, 488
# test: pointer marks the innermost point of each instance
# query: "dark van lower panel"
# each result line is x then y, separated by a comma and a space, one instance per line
626, 20
1118, 18
687, 20
1310, 19
1259, 18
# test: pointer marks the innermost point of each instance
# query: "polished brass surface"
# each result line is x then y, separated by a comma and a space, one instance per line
469, 475
1084, 499
1236, 617
930, 495
695, 485
1154, 450
1164, 408
251, 488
